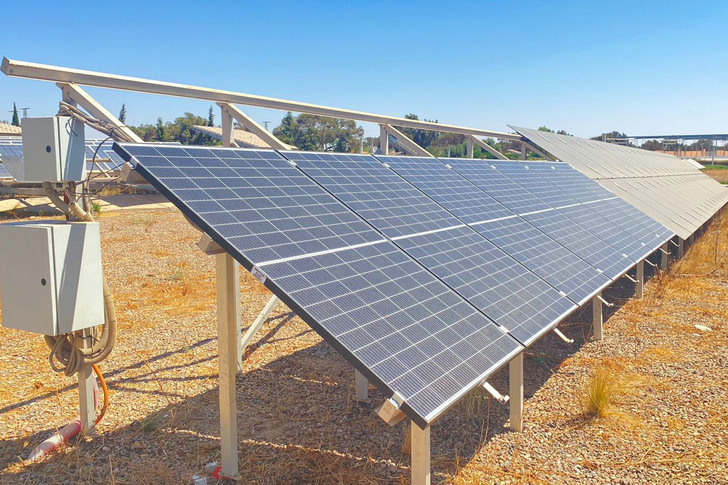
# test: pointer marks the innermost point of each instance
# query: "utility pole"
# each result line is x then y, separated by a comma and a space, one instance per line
266, 125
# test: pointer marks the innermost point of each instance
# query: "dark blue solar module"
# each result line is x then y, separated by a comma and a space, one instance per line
378, 195
487, 277
522, 173
398, 324
644, 230
519, 239
612, 261
14, 150
4, 174
484, 174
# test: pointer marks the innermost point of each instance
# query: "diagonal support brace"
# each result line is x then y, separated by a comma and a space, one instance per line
496, 395
563, 337
610, 305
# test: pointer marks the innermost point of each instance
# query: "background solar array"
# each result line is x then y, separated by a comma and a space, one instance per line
396, 322
662, 186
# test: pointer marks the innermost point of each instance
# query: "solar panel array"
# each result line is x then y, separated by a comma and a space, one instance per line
668, 190
427, 277
395, 321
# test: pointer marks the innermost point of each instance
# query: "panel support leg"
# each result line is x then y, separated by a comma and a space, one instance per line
383, 140
250, 333
515, 369
640, 285
680, 248
362, 386
471, 147
664, 257
597, 318
420, 446
228, 326
87, 406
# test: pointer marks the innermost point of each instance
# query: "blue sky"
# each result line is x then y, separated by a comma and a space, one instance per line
585, 67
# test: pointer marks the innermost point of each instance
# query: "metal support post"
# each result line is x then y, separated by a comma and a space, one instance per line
420, 448
362, 386
597, 318
471, 147
664, 257
523, 150
640, 284
383, 140
87, 406
680, 247
515, 370
228, 326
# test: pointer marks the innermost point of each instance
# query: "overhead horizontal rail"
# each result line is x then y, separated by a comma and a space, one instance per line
44, 72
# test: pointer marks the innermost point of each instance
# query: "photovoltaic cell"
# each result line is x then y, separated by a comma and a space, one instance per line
487, 277
4, 174
403, 328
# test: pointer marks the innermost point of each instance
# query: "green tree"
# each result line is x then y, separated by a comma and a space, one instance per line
16, 119
424, 138
210, 118
320, 133
179, 130
549, 130
122, 113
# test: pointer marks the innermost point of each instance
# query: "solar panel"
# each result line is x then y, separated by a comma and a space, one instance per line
378, 195
4, 174
503, 179
603, 203
11, 150
657, 184
484, 175
594, 239
487, 277
519, 239
399, 325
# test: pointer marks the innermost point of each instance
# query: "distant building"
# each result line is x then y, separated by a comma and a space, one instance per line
7, 129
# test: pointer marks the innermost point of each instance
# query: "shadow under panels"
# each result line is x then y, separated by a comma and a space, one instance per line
486, 276
514, 235
398, 324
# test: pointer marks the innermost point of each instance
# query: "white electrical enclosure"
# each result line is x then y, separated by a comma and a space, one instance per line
50, 276
54, 150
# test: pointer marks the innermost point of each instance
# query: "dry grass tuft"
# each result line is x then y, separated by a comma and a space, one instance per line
600, 391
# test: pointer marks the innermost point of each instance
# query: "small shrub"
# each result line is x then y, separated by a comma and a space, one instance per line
599, 392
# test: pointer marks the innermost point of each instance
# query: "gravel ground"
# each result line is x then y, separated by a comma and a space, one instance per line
297, 417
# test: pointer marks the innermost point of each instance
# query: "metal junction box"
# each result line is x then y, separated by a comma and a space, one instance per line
50, 276
53, 149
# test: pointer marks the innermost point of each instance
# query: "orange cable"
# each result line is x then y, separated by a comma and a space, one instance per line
106, 392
